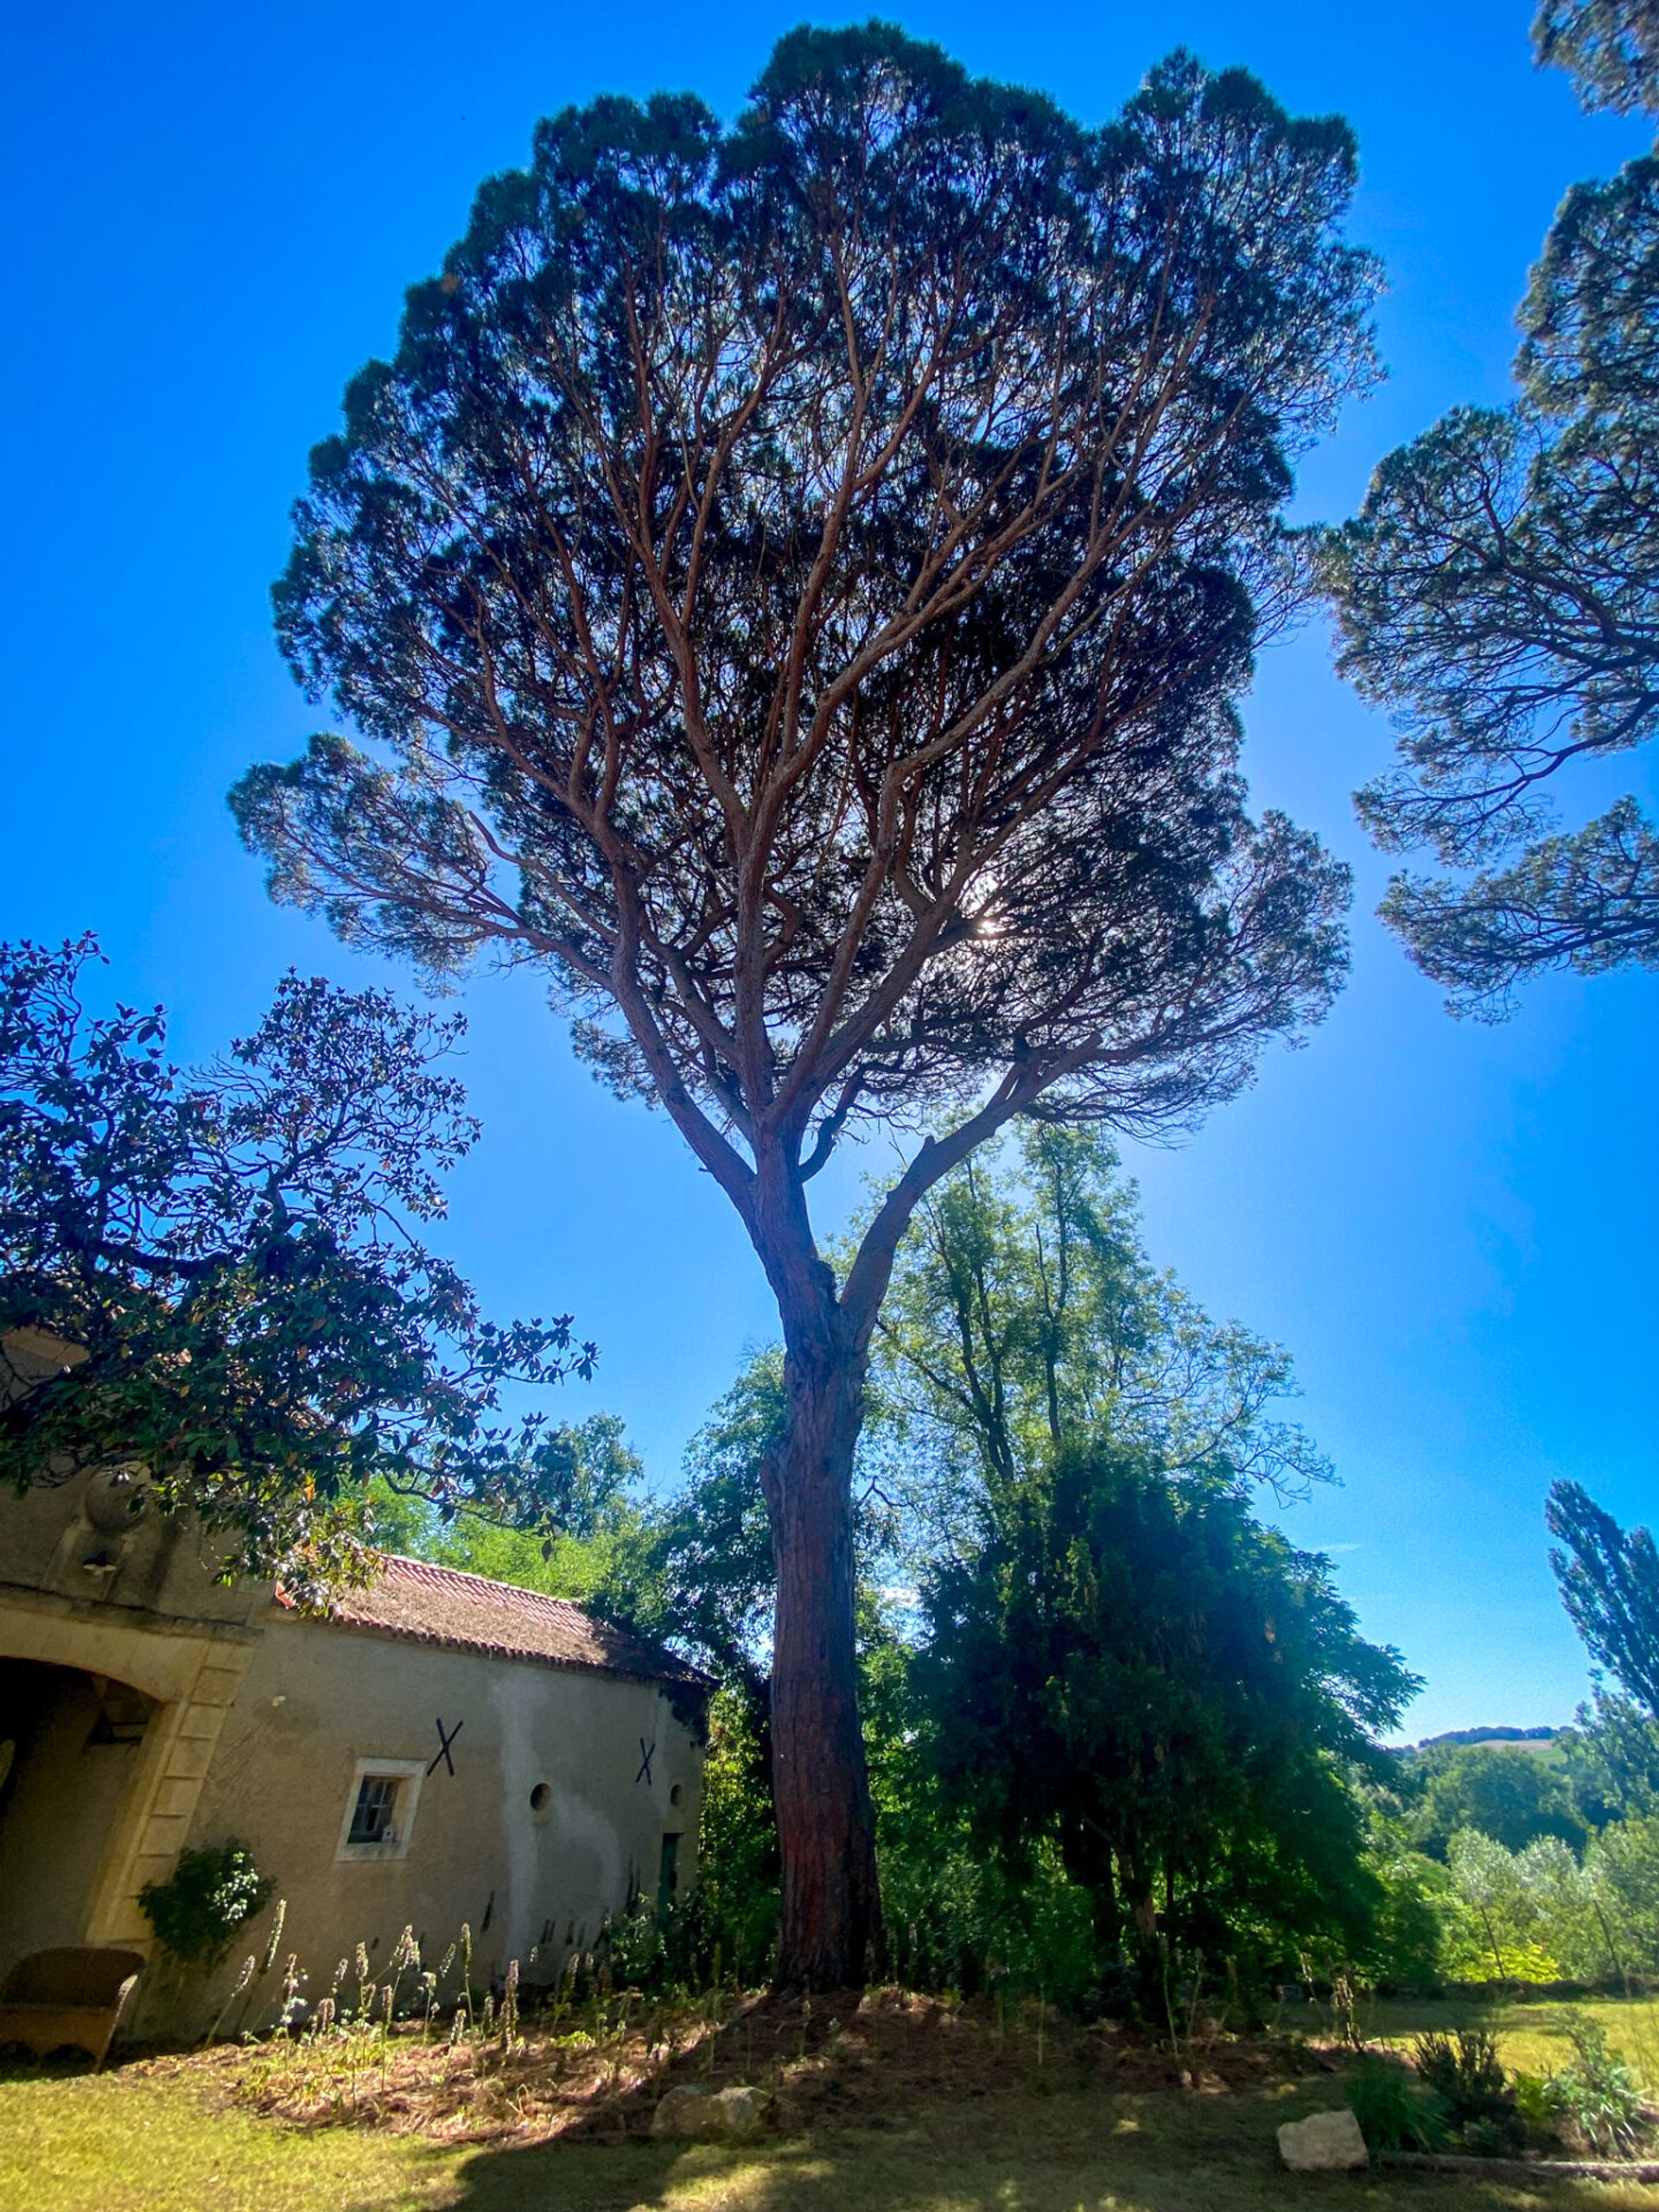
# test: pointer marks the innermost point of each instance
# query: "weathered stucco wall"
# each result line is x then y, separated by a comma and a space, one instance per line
486, 1845
252, 1723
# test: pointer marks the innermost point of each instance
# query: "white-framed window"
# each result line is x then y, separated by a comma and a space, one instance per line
380, 1805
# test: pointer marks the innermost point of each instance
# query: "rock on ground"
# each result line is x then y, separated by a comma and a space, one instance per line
696, 2115
1325, 2142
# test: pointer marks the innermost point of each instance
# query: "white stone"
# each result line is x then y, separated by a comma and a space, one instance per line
687, 2112
1324, 2143
693, 2114
744, 2109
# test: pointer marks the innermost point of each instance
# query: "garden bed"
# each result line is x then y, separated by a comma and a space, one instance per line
597, 2072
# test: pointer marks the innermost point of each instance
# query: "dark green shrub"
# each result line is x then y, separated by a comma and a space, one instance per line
1395, 2111
1465, 2071
1494, 2135
1536, 2106
1463, 2068
207, 1897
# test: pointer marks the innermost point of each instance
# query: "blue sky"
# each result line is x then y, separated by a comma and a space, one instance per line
211, 214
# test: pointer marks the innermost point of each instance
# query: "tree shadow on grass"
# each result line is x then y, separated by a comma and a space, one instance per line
1021, 2154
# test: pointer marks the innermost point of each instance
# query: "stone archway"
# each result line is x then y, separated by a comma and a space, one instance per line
70, 1746
122, 1712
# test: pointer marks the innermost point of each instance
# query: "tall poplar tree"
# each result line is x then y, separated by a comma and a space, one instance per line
795, 582
1609, 1581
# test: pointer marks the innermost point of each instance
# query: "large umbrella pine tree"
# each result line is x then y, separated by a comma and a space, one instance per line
793, 582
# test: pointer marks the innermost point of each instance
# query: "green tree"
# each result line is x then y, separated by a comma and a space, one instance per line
1609, 1581
698, 1571
1499, 591
797, 581
1413, 1933
1626, 1860
1089, 1342
1026, 1315
1612, 1760
591, 1476
730, 1919
1570, 1898
1502, 1913
232, 1259
1540, 1912
1136, 1668
1505, 1793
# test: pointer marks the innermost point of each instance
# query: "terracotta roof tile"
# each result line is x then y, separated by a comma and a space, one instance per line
440, 1605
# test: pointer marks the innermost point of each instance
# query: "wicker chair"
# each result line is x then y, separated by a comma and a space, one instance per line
73, 1996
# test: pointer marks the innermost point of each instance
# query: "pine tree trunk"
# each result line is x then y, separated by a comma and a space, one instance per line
830, 1923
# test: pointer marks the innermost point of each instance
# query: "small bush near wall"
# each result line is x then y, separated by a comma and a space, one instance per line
207, 1897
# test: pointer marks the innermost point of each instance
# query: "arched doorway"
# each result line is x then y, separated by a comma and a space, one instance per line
70, 1755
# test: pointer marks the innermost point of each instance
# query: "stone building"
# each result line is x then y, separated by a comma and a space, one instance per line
441, 1749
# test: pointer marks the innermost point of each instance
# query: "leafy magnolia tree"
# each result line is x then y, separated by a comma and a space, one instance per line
230, 1261
796, 582
1499, 590
1609, 1581
1135, 1666
1024, 1315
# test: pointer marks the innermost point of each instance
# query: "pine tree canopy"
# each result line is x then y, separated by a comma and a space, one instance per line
796, 579
1499, 591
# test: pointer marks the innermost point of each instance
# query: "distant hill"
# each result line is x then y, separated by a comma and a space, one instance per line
1526, 1737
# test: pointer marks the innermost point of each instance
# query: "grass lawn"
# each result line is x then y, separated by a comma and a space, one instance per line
1530, 2037
138, 2139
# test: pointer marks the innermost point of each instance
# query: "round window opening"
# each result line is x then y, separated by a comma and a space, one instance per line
540, 1797
674, 1795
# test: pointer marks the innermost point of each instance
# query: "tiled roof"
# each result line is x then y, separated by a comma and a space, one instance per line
439, 1605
